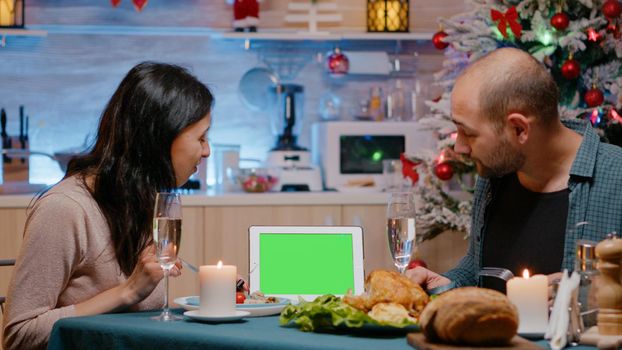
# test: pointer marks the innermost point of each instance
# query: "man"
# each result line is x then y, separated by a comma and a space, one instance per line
538, 177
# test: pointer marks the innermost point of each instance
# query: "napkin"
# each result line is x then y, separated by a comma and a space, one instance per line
557, 330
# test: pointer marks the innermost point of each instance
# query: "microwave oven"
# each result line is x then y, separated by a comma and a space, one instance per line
351, 152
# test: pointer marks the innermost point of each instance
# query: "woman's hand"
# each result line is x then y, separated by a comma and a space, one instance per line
146, 276
143, 280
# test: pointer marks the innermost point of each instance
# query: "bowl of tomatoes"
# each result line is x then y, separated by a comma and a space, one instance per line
256, 180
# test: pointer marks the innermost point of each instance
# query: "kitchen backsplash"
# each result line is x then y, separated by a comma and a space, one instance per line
64, 81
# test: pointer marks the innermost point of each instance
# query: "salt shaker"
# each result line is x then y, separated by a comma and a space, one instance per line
585, 265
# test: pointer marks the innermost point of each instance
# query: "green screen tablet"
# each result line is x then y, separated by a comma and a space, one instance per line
306, 261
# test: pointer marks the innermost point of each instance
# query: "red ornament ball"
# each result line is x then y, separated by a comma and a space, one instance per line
560, 21
444, 171
594, 97
337, 63
611, 8
115, 3
437, 40
571, 69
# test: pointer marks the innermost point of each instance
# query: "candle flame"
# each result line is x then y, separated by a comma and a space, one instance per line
525, 273
219, 265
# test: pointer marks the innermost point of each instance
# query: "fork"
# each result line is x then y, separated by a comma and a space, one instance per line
188, 265
498, 272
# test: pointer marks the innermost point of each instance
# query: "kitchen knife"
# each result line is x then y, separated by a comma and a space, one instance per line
3, 124
6, 142
22, 141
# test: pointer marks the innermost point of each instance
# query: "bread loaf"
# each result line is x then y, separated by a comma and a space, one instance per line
470, 316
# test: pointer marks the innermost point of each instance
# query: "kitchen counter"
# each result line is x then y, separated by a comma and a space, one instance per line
210, 198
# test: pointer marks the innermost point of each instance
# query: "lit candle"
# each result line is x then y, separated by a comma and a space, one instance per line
529, 295
217, 289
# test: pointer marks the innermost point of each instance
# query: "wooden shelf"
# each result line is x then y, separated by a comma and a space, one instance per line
22, 32
265, 35
330, 36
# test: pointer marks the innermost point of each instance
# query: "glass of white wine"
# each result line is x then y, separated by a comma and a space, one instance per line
167, 237
401, 228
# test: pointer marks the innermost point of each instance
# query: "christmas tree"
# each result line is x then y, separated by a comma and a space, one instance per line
579, 41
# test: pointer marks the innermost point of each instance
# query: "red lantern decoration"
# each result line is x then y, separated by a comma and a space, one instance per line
139, 4
560, 21
437, 40
337, 63
115, 3
444, 171
594, 97
571, 69
611, 9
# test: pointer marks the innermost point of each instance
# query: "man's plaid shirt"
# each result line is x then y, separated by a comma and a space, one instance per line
595, 197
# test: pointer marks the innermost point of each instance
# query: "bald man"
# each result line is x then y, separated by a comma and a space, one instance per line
538, 176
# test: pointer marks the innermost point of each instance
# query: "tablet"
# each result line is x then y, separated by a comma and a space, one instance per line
306, 261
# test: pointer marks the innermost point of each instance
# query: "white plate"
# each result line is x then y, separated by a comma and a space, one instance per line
255, 310
532, 335
194, 314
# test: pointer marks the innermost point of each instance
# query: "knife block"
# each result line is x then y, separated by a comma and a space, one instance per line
16, 168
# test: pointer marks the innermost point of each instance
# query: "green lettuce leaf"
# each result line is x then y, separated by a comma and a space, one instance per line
329, 311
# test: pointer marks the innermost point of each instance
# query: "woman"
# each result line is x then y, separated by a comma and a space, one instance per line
87, 245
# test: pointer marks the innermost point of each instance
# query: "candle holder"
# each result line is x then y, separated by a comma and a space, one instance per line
11, 14
387, 15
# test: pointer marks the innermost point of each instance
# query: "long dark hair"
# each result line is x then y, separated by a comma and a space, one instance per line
131, 158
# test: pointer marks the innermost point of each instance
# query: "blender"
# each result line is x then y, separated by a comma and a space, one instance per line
296, 170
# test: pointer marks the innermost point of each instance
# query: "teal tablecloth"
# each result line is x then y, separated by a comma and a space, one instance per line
138, 331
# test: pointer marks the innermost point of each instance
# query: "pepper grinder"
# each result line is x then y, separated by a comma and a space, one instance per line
609, 294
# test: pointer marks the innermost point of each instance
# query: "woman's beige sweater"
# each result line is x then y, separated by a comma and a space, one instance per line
66, 258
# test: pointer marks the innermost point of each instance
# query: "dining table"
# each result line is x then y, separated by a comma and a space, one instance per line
138, 331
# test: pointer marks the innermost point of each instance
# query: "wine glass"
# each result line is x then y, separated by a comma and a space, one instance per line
167, 237
401, 228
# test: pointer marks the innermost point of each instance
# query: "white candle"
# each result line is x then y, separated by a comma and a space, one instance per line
217, 289
530, 296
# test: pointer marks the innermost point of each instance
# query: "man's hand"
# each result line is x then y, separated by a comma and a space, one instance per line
426, 278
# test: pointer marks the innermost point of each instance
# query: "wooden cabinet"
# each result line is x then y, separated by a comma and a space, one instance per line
226, 228
12, 222
212, 233
441, 254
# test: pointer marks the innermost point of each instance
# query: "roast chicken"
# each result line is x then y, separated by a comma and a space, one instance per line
389, 295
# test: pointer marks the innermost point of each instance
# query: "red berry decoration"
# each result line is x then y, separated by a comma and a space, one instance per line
416, 263
240, 297
611, 9
337, 63
139, 4
444, 171
560, 21
594, 97
437, 40
571, 69
115, 3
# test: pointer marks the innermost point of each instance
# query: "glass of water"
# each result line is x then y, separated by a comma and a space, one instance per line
167, 237
401, 228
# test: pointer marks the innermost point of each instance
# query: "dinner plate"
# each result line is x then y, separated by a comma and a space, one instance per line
372, 328
255, 310
194, 315
532, 335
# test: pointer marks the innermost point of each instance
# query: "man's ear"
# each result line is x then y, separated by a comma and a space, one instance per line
519, 126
